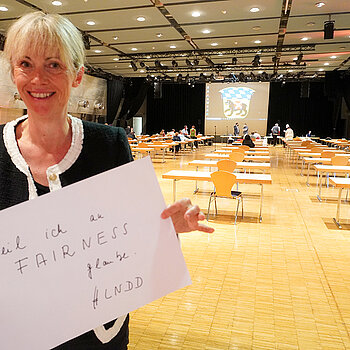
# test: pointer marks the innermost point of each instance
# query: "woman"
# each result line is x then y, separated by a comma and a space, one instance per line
248, 141
48, 149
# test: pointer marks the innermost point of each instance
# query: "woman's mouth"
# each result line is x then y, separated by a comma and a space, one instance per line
41, 95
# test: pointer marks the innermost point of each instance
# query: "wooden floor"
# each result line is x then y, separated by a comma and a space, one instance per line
280, 284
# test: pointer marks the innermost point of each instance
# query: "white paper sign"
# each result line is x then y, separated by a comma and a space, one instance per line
84, 255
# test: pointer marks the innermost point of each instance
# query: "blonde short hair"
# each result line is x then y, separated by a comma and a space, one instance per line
39, 32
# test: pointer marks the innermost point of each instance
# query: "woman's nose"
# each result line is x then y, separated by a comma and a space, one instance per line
39, 76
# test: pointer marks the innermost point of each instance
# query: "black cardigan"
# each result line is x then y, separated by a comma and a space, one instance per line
104, 147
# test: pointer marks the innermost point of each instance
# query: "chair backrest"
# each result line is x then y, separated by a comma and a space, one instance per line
142, 145
227, 165
158, 143
245, 147
305, 143
236, 156
223, 182
327, 154
316, 149
339, 160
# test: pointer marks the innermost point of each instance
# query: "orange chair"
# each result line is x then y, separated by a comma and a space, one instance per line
223, 183
339, 160
237, 156
327, 154
226, 165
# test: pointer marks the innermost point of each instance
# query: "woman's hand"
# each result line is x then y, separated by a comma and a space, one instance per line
186, 217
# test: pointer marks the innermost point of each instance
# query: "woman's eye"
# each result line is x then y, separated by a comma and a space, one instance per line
24, 64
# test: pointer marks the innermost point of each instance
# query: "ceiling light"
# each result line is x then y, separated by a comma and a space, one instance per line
56, 3
172, 46
3, 8
260, 72
257, 42
141, 19
333, 57
304, 38
256, 61
90, 23
209, 62
133, 49
254, 9
326, 64
236, 42
98, 51
290, 71
310, 24
142, 71
214, 44
321, 70
319, 4
116, 59
256, 28
115, 38
206, 31
196, 14
224, 12
159, 35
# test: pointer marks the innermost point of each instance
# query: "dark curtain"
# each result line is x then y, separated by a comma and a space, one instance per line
114, 96
180, 105
135, 93
286, 106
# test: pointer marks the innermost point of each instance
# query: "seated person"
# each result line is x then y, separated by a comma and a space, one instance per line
131, 134
255, 136
248, 141
177, 138
162, 133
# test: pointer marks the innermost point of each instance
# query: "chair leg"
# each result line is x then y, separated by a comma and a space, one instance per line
242, 206
237, 211
209, 206
216, 208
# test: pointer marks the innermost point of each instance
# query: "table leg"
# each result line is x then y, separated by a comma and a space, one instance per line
261, 202
302, 166
308, 173
320, 187
336, 219
174, 190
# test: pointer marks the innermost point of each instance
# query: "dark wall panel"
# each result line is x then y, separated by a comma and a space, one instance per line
180, 104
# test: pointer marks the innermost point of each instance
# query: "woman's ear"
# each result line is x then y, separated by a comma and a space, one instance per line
78, 77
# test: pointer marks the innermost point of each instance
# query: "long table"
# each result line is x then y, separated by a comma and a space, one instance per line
321, 168
246, 157
240, 165
340, 183
259, 179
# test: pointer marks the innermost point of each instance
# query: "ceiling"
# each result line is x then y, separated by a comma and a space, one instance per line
222, 30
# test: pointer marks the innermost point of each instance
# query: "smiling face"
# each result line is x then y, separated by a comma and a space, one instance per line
44, 82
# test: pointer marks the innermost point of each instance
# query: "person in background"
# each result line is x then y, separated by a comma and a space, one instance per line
308, 134
275, 132
172, 132
193, 135
245, 129
288, 134
236, 130
162, 132
131, 134
177, 138
255, 135
247, 141
184, 131
48, 149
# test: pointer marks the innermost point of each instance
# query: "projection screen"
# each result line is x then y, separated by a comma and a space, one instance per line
230, 103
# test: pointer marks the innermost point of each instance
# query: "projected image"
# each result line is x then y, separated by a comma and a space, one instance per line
236, 101
229, 103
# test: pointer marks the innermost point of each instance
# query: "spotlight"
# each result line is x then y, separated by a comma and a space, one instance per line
187, 78
179, 78
299, 59
328, 30
86, 41
133, 66
188, 63
209, 62
142, 64
174, 63
234, 60
202, 77
158, 64
196, 62
256, 61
